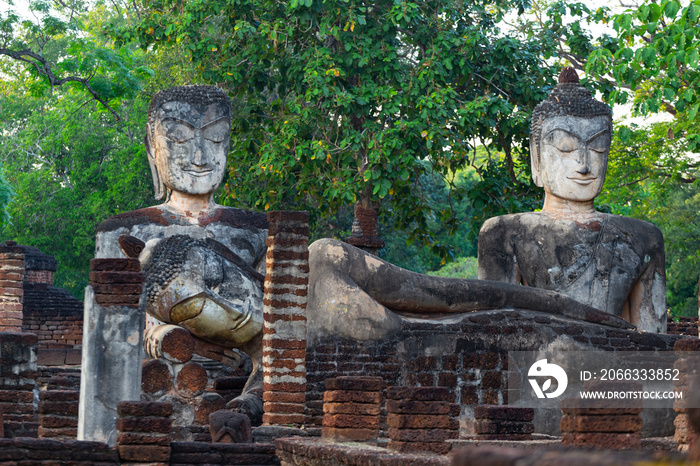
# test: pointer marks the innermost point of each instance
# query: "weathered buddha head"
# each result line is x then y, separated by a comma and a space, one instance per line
187, 139
570, 141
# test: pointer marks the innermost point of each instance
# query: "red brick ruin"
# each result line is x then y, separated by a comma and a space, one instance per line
369, 402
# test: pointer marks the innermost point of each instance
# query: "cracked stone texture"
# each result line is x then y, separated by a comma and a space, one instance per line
611, 263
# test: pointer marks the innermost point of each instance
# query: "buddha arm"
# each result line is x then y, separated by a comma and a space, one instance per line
497, 262
647, 301
343, 269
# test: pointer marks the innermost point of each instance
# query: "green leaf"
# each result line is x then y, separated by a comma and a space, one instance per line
671, 9
648, 55
625, 134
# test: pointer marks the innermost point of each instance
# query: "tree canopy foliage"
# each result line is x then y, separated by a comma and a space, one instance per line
418, 109
341, 101
70, 161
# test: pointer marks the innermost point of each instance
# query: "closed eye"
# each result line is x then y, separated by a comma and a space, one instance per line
563, 141
600, 142
179, 137
217, 132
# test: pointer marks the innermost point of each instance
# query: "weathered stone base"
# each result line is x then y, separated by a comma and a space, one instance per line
554, 456
267, 434
468, 353
323, 452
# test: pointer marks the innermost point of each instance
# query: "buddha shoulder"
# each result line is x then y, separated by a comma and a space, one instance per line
512, 224
227, 216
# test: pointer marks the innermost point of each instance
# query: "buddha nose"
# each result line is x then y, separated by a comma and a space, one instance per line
584, 167
199, 158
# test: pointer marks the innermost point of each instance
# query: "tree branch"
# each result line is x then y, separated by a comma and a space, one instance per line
43, 68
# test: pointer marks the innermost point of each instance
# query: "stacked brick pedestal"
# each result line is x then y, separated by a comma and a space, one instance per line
284, 313
421, 419
497, 422
688, 351
173, 377
58, 414
18, 372
58, 408
11, 287
144, 432
365, 230
351, 407
607, 425
116, 282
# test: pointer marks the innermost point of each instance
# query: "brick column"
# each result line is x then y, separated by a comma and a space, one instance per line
351, 407
687, 352
112, 346
498, 422
421, 419
365, 230
607, 424
144, 432
18, 372
11, 289
284, 313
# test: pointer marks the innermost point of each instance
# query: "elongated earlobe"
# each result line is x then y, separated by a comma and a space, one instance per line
535, 161
158, 186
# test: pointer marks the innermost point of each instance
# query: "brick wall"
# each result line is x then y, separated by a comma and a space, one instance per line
29, 302
469, 355
683, 326
39, 276
49, 451
56, 318
54, 315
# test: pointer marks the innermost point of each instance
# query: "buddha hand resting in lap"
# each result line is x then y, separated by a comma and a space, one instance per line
202, 261
608, 262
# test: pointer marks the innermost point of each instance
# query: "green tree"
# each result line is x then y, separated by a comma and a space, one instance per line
341, 101
71, 163
655, 63
59, 47
71, 167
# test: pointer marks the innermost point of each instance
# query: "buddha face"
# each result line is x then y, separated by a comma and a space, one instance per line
573, 156
190, 143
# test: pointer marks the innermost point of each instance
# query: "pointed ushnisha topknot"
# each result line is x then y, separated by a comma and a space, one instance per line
568, 75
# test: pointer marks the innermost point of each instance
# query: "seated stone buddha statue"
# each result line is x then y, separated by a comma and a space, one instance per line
612, 263
202, 261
